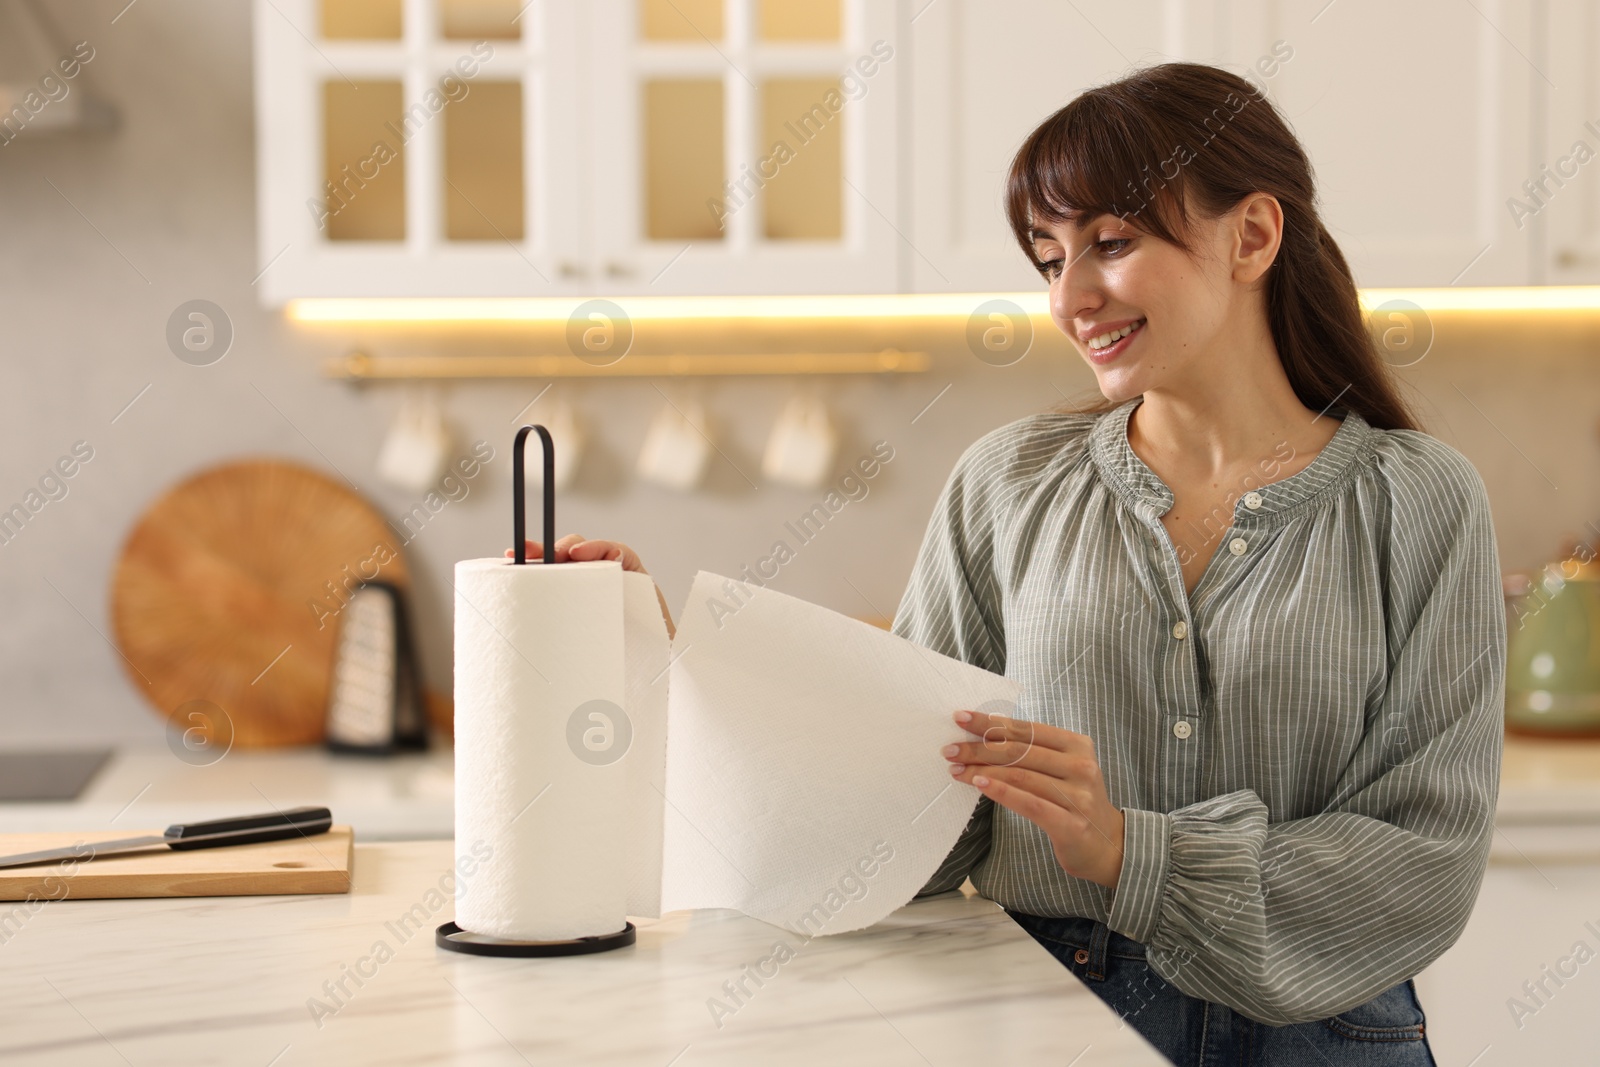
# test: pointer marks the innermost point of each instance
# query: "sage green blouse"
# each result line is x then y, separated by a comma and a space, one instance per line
1306, 749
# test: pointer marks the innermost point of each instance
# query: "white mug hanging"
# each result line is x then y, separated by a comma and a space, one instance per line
566, 434
417, 447
802, 446
676, 449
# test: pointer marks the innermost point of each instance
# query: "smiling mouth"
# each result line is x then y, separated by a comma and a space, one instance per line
1114, 348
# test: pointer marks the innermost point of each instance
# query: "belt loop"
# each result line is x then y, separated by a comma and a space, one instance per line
1099, 939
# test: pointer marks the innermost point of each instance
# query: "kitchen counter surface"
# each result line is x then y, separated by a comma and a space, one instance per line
1548, 779
1549, 806
406, 797
254, 980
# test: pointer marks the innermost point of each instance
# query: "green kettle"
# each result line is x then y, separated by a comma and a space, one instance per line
1553, 652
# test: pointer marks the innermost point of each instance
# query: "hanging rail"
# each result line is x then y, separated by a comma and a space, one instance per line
359, 366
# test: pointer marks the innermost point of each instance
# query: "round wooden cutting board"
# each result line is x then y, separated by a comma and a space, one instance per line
229, 591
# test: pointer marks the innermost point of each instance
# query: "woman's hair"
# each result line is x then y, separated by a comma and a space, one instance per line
1182, 137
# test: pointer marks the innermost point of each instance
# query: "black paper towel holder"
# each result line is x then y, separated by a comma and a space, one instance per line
519, 498
449, 935
455, 939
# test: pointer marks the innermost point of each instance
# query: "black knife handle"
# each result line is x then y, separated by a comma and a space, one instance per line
248, 829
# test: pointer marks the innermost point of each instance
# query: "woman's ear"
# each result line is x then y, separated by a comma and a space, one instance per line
1259, 234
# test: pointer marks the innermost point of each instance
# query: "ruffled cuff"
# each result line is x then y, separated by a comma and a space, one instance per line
1146, 861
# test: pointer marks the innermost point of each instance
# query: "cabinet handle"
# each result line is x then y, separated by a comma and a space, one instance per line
618, 270
570, 269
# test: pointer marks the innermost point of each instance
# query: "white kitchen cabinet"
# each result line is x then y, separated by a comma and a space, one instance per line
624, 147
483, 148
984, 75
1557, 201
754, 151
1534, 917
394, 160
1415, 118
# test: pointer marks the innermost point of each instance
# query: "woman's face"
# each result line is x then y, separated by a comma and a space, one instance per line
1141, 312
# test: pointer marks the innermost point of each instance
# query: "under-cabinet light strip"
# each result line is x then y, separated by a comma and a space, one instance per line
1492, 298
910, 305
559, 309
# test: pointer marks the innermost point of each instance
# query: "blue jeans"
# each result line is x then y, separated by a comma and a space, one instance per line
1386, 1031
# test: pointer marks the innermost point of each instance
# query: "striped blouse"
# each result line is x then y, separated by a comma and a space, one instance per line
1306, 749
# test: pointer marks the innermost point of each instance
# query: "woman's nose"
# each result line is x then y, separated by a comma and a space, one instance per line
1070, 299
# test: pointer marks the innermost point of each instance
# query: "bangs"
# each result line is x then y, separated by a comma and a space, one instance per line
1090, 158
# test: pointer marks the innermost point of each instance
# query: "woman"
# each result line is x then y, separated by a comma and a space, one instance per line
1256, 613
1249, 789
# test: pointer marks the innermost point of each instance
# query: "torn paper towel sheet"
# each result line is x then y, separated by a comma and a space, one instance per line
804, 784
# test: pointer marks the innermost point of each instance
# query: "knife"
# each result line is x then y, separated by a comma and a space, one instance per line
238, 830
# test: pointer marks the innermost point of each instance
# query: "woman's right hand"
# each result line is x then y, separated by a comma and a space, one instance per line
574, 548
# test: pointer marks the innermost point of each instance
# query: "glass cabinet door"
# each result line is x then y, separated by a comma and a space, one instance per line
746, 146
418, 147
484, 148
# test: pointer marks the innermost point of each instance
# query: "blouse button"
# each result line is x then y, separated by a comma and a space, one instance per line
1180, 629
1237, 546
1181, 728
1081, 956
1252, 500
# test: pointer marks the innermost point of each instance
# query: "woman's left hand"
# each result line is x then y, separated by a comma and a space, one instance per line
1050, 777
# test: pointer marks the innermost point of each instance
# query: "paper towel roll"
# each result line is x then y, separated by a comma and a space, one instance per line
539, 688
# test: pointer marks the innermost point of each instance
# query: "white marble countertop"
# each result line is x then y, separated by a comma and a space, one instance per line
233, 980
1549, 794
1549, 805
400, 798
1549, 780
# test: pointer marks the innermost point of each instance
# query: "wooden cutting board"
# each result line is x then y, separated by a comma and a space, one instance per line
320, 863
226, 601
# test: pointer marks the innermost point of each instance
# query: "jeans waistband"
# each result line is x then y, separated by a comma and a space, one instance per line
1097, 940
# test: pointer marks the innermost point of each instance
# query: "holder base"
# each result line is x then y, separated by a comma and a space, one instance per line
455, 939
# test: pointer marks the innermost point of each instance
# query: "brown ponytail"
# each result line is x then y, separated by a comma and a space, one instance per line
1179, 134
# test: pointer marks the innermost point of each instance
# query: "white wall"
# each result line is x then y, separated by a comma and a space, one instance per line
169, 218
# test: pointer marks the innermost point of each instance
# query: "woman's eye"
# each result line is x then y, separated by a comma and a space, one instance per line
1111, 246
